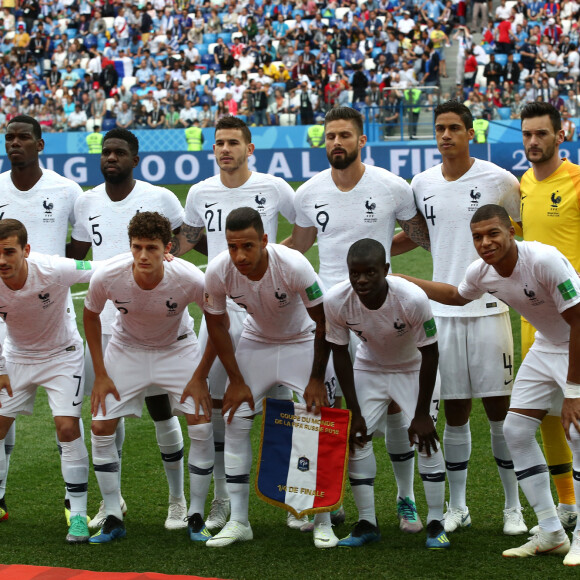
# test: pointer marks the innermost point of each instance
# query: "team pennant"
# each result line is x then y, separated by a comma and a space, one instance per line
303, 458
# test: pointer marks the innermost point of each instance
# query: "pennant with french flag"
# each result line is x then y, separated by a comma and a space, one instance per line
303, 459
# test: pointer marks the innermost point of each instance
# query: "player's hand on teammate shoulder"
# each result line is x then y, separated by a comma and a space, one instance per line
5, 384
422, 431
198, 390
316, 395
102, 387
570, 415
236, 394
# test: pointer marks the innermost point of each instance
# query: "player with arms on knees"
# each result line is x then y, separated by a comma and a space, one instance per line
343, 204
43, 348
44, 202
208, 204
550, 196
396, 360
477, 336
282, 343
540, 283
153, 343
101, 218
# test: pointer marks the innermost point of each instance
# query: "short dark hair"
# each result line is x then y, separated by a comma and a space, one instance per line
124, 135
231, 122
11, 227
539, 109
150, 225
489, 211
243, 218
36, 129
347, 114
454, 106
368, 249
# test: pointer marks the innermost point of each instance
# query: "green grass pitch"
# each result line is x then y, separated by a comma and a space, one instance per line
36, 530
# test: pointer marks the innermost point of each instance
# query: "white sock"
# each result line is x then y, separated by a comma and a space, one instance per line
432, 470
505, 465
362, 470
220, 489
3, 465
530, 467
119, 440
457, 447
9, 441
575, 446
74, 463
238, 462
106, 465
200, 465
401, 453
170, 441
321, 518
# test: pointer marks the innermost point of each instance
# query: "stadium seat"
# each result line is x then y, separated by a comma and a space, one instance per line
108, 124
291, 24
209, 38
120, 68
504, 113
207, 59
376, 52
129, 82
72, 33
501, 59
227, 37
211, 47
340, 12
517, 57
110, 22
203, 49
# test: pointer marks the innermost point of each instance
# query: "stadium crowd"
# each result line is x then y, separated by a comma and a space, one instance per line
73, 65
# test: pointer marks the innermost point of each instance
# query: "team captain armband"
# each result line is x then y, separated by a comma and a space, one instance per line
313, 292
430, 327
572, 390
83, 265
567, 290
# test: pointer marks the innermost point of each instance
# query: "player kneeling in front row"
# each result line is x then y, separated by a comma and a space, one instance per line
43, 347
540, 283
282, 344
396, 360
153, 343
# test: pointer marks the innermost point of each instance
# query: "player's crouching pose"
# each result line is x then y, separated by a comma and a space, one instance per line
282, 343
153, 343
541, 284
396, 360
43, 347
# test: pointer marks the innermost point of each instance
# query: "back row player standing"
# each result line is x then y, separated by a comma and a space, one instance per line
44, 202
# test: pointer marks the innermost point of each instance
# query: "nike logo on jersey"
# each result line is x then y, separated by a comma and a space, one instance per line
319, 205
77, 404
119, 302
210, 204
426, 198
523, 197
492, 291
94, 217
507, 382
4, 205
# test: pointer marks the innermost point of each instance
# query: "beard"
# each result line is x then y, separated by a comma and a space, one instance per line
547, 154
346, 161
116, 177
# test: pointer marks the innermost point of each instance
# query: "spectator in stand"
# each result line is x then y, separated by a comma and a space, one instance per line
187, 115
77, 120
124, 119
517, 106
505, 38
493, 70
568, 126
205, 116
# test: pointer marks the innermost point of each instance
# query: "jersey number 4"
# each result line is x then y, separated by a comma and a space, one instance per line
429, 215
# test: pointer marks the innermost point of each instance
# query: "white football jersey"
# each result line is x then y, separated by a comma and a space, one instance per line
209, 203
38, 323
448, 207
344, 217
148, 319
45, 210
542, 285
104, 223
389, 336
276, 304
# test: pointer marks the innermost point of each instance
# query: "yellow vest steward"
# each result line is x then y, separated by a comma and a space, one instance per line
193, 138
95, 142
316, 133
480, 128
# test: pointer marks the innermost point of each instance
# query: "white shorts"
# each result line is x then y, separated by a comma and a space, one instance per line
134, 371
218, 377
476, 356
62, 377
540, 382
265, 365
